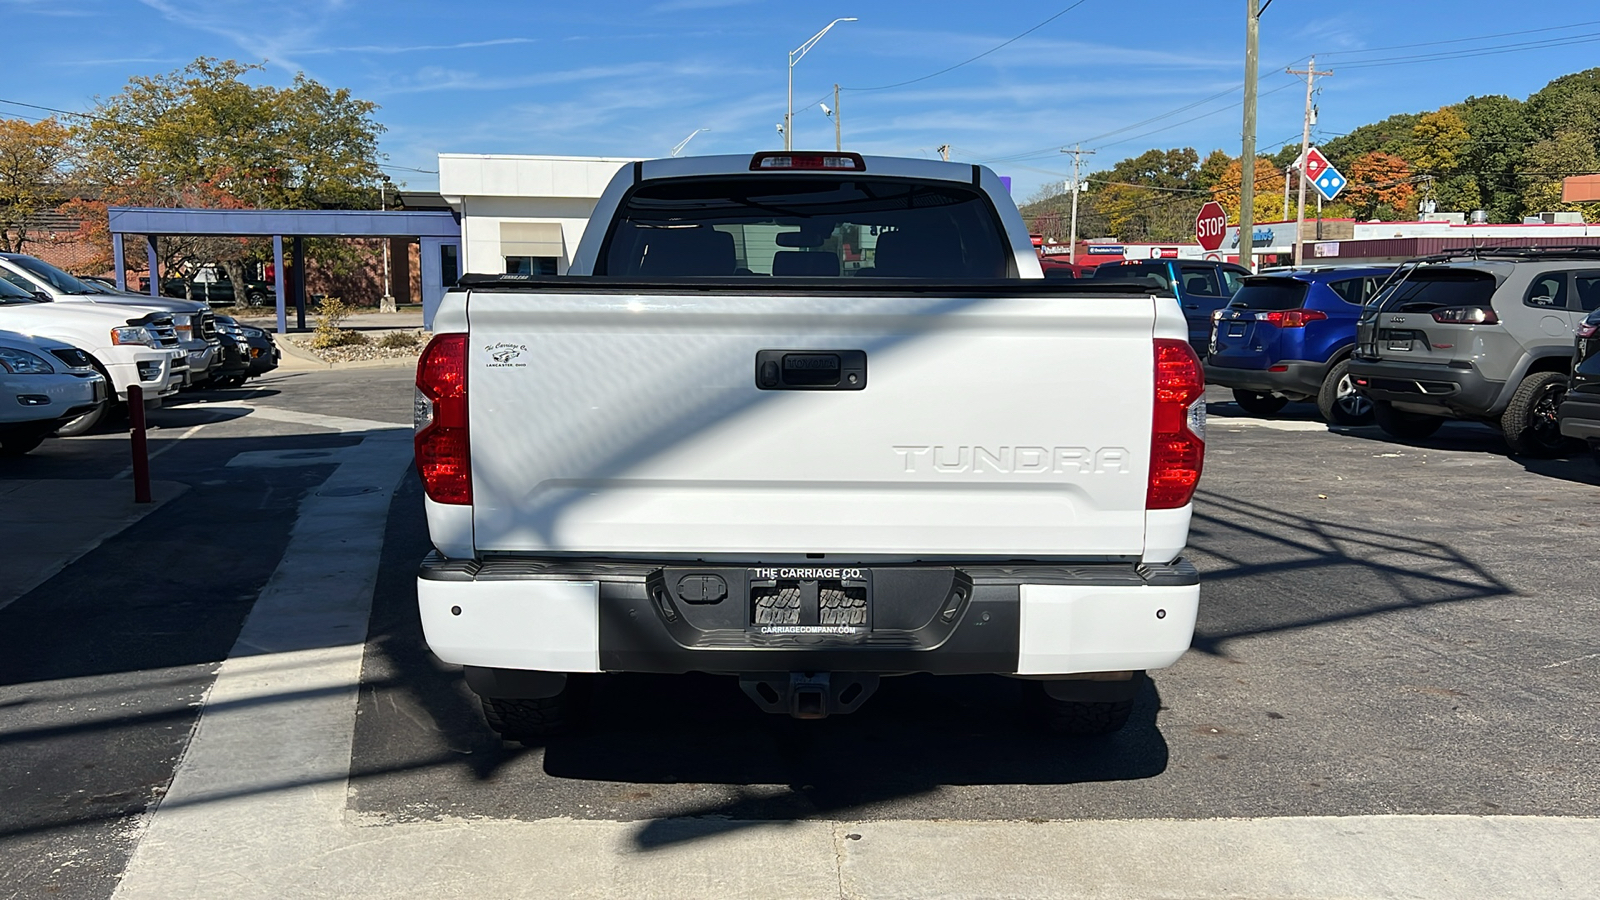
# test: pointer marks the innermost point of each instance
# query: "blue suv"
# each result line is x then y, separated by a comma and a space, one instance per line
1288, 336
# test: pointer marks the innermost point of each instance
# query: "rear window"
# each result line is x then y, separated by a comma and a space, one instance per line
806, 227
1160, 272
1430, 289
1270, 293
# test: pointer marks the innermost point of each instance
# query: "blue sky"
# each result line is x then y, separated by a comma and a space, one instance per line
634, 78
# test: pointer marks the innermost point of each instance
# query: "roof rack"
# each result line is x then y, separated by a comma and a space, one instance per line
1569, 251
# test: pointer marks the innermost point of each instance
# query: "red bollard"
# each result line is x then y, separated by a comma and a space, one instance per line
141, 453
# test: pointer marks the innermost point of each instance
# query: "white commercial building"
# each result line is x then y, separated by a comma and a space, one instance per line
522, 214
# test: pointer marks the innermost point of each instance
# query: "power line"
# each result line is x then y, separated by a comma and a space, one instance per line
1587, 38
885, 87
1484, 37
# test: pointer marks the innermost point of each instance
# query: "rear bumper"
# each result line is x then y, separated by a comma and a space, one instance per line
1298, 377
550, 615
1438, 390
1580, 416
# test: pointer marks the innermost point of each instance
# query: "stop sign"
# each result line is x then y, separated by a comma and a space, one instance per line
1211, 225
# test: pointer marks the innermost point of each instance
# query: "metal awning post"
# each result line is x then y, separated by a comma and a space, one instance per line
155, 265
119, 261
300, 282
277, 281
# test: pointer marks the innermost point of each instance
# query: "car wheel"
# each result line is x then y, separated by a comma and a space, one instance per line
84, 423
1079, 718
19, 445
529, 720
1258, 404
1403, 425
1339, 401
255, 298
1529, 422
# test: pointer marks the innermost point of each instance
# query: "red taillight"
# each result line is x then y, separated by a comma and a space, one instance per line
1177, 429
1291, 318
1588, 329
444, 457
833, 162
1466, 315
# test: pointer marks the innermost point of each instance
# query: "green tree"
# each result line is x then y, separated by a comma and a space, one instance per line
1488, 175
1388, 136
1551, 160
205, 136
33, 158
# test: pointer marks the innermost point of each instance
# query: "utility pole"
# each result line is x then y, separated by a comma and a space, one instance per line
387, 303
1311, 73
1247, 159
944, 152
1077, 186
838, 130
1286, 171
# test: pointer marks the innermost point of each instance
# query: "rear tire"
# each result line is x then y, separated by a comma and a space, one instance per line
530, 720
1529, 422
255, 298
1077, 718
1403, 425
1339, 401
1258, 404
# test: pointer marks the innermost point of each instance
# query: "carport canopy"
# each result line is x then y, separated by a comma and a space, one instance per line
431, 227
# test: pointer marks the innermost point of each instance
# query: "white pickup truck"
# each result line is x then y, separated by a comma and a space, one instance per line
807, 420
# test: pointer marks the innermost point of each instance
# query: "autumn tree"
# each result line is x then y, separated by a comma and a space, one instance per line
33, 160
1268, 203
1379, 186
206, 136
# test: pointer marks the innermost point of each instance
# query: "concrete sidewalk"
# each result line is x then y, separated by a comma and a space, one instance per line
46, 524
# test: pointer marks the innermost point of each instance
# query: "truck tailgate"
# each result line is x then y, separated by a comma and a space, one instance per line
629, 423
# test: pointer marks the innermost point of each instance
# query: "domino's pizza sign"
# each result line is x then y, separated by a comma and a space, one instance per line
1324, 177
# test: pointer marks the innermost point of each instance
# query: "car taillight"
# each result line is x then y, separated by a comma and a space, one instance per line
1465, 315
1291, 318
444, 457
1177, 427
838, 162
1589, 327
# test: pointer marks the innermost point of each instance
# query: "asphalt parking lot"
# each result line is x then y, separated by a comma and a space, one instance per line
1386, 630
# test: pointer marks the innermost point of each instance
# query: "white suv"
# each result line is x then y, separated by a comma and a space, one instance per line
126, 345
44, 384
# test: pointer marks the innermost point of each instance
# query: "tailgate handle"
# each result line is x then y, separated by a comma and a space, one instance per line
811, 370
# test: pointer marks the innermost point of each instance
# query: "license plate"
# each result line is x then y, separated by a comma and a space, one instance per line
810, 600
1235, 331
1400, 343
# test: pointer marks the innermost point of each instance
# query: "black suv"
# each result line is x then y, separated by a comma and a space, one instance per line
1201, 286
1580, 410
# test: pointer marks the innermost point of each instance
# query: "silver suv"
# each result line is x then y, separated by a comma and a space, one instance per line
1479, 335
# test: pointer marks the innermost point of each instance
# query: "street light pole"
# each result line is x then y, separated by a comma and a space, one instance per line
795, 56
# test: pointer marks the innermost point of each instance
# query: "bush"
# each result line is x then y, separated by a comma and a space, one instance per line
400, 340
330, 312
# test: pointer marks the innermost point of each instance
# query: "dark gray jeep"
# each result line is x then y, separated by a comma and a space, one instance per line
1479, 335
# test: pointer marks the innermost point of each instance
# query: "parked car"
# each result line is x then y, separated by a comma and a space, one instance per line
234, 365
1477, 335
264, 352
126, 346
44, 384
194, 322
1579, 414
1201, 286
1288, 337
212, 285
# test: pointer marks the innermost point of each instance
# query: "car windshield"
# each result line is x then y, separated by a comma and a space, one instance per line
1430, 289
10, 293
807, 227
49, 274
1270, 293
